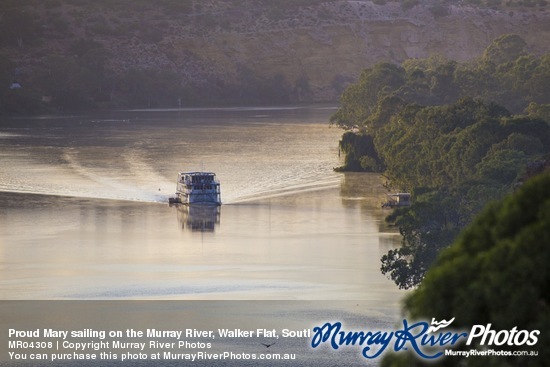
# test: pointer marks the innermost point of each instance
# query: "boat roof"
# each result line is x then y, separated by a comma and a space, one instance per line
197, 173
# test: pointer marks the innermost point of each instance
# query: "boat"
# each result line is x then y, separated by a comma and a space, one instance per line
399, 199
197, 188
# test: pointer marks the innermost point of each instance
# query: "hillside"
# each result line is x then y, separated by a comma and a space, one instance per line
73, 54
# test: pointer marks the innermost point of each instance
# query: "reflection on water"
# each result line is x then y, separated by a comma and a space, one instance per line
136, 155
84, 210
198, 218
363, 190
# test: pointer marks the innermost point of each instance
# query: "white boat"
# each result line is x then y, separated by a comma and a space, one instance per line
399, 199
197, 188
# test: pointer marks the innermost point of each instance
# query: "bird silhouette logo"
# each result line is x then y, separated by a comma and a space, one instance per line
267, 345
439, 325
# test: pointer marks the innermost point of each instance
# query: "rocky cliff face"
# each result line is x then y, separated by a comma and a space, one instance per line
314, 47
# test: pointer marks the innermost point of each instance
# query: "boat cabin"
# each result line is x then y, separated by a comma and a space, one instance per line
399, 199
198, 187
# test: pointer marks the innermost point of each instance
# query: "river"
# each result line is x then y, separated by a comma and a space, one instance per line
84, 212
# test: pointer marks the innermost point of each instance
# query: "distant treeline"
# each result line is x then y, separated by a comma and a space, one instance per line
80, 76
69, 55
456, 135
83, 82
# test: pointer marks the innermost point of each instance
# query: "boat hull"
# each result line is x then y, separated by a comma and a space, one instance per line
199, 198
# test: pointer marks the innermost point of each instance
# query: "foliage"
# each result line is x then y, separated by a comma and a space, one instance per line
359, 100
150, 88
451, 150
18, 25
430, 225
359, 153
439, 11
504, 74
439, 128
539, 111
494, 4
427, 227
80, 73
496, 272
506, 48
34, 32
449, 145
409, 4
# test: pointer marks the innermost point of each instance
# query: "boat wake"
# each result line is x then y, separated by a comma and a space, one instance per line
294, 189
131, 176
141, 171
77, 175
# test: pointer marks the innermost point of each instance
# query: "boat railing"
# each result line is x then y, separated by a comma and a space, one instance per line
191, 181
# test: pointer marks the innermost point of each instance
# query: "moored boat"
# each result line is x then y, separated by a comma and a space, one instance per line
399, 199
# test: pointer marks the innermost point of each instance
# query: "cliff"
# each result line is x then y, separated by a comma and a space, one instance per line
307, 49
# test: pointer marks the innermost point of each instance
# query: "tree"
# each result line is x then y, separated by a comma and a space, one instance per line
496, 272
150, 88
427, 227
454, 158
359, 152
18, 25
506, 48
542, 112
359, 100
538, 86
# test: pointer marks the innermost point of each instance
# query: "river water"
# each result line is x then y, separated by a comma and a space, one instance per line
88, 240
84, 213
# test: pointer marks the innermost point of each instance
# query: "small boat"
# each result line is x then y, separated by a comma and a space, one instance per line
399, 199
197, 188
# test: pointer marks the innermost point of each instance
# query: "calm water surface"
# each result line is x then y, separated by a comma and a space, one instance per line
83, 212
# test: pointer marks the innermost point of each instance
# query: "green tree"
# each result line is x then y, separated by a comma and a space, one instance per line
539, 111
506, 48
427, 227
359, 100
538, 85
496, 272
69, 84
359, 152
503, 165
454, 158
